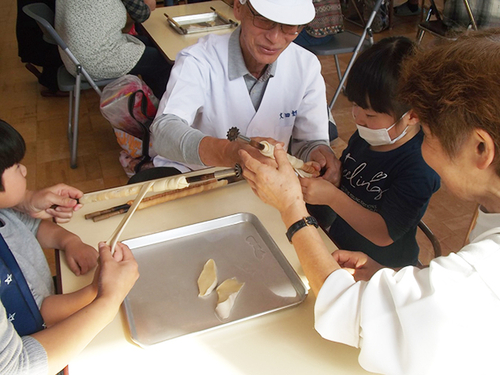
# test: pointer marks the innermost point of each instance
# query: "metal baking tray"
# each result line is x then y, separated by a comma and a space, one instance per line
164, 302
199, 23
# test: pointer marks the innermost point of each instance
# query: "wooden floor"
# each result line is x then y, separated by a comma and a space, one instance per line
43, 124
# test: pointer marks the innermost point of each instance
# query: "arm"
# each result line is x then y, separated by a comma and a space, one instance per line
139, 10
281, 189
369, 224
64, 340
58, 202
81, 257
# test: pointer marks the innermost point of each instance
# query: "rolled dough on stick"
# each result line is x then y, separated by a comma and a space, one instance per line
208, 278
180, 193
169, 183
227, 293
296, 163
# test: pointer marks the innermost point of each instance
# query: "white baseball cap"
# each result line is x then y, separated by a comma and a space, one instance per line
289, 12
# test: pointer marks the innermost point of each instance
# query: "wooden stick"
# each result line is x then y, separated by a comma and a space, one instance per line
118, 231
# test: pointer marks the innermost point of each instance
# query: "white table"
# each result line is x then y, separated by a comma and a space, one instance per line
282, 342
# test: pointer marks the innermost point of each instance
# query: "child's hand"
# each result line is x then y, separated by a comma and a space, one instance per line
81, 257
317, 190
360, 265
118, 272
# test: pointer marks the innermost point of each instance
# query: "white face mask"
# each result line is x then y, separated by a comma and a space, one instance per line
380, 137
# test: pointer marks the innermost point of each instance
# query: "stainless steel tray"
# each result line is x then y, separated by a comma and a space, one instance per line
164, 302
198, 23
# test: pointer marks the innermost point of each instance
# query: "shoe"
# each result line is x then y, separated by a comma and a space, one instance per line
33, 69
404, 10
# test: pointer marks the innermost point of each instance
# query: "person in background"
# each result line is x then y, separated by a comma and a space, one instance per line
35, 51
385, 184
408, 8
239, 80
442, 319
93, 31
40, 332
327, 22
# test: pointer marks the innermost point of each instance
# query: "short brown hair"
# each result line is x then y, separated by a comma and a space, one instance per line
454, 89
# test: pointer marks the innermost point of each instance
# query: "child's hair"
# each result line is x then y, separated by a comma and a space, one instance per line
373, 79
12, 148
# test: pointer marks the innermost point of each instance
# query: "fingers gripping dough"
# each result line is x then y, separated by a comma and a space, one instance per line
296, 163
208, 278
227, 293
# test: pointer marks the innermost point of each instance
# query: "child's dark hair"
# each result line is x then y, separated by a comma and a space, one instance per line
373, 79
12, 148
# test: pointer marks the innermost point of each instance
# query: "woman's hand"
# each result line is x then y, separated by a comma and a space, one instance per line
360, 265
279, 186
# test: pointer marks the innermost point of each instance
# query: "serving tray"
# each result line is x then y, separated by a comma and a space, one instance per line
164, 302
199, 23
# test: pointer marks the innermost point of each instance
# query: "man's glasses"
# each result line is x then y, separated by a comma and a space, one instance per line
263, 23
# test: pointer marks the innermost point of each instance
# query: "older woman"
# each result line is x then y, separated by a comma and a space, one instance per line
443, 318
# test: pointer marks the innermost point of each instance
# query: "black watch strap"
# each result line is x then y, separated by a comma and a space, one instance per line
302, 223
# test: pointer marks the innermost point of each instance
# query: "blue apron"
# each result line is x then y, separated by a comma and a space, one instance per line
22, 310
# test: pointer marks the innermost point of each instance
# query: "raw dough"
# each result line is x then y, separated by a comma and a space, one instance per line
227, 292
207, 279
169, 183
296, 163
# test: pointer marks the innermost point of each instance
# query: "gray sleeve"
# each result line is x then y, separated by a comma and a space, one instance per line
20, 355
174, 139
302, 148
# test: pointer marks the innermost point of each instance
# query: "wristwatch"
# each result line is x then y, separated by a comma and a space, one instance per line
302, 223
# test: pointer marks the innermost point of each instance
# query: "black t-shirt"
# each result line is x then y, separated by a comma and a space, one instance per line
397, 184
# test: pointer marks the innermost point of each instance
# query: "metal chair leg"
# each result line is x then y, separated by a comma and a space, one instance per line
74, 136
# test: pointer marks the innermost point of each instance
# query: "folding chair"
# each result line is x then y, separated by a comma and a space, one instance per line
346, 42
438, 27
44, 16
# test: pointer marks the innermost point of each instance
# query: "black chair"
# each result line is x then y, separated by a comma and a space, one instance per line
438, 27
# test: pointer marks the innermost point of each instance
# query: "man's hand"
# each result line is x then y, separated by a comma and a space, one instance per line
360, 265
57, 202
328, 162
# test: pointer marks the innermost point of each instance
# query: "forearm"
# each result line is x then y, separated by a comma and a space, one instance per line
66, 339
314, 257
174, 139
138, 10
302, 148
52, 236
369, 224
58, 307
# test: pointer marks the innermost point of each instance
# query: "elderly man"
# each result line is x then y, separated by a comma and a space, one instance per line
253, 79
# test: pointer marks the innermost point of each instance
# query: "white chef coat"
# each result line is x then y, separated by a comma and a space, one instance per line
200, 92
444, 319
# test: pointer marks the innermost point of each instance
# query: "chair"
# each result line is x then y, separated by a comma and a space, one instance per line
438, 27
346, 42
432, 238
44, 16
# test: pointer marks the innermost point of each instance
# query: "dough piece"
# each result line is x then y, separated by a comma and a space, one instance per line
296, 163
169, 183
207, 279
227, 292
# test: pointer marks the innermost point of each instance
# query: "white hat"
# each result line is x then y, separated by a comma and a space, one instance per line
289, 12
